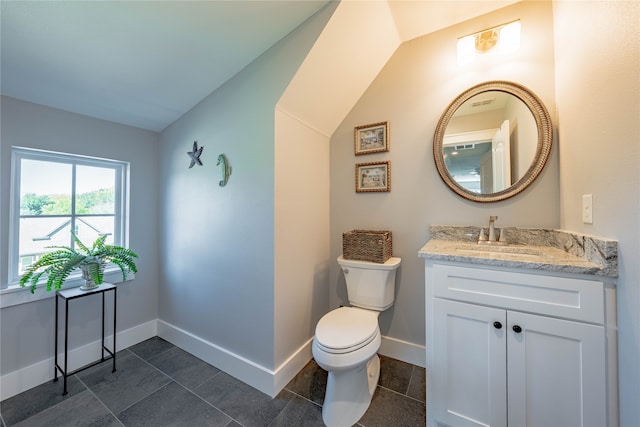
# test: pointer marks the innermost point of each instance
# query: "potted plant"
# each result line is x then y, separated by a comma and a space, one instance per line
57, 265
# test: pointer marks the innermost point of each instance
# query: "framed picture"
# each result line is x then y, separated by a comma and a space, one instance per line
372, 138
374, 176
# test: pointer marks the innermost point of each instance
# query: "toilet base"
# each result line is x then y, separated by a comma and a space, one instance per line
349, 394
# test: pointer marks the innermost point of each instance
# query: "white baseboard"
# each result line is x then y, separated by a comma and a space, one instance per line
264, 379
233, 364
292, 366
28, 377
404, 350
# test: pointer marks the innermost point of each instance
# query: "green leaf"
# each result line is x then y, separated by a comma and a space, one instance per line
60, 263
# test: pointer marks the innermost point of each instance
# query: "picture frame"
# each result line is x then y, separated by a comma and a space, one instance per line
373, 177
373, 138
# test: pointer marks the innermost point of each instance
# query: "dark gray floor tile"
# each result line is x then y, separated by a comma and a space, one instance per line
299, 412
133, 381
389, 408
37, 399
183, 367
417, 386
175, 406
151, 347
310, 383
158, 384
395, 374
242, 402
81, 410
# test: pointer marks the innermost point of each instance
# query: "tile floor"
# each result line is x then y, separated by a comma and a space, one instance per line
158, 384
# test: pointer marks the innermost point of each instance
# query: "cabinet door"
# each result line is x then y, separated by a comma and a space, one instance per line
469, 383
556, 372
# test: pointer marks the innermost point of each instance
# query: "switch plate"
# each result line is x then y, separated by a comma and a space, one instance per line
587, 209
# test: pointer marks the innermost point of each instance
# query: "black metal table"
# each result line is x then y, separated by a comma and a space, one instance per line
75, 293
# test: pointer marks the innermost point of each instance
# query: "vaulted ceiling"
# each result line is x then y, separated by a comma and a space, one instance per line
146, 63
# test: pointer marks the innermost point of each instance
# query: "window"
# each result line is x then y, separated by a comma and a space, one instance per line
55, 194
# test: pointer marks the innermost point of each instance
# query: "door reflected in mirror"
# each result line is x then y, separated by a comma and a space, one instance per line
492, 141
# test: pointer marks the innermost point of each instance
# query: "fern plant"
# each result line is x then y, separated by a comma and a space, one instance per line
60, 263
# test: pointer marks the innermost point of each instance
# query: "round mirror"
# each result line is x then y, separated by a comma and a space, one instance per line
492, 141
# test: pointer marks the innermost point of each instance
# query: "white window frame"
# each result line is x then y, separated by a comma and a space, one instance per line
121, 219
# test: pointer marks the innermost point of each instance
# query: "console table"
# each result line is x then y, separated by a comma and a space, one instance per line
75, 293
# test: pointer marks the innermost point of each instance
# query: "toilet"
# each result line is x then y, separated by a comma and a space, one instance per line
347, 340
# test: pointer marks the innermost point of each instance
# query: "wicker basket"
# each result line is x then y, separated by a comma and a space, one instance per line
367, 245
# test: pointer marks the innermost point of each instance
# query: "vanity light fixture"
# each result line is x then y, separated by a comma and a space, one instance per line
504, 39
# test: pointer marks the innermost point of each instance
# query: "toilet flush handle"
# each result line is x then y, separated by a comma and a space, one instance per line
346, 270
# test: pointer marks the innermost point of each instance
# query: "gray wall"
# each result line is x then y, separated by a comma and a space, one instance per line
218, 257
598, 95
412, 92
26, 330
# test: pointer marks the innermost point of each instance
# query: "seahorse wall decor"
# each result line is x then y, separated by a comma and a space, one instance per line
226, 169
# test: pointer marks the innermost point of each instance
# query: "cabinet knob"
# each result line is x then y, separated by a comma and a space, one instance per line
497, 325
517, 329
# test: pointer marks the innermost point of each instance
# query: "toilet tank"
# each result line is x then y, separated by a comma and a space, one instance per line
370, 285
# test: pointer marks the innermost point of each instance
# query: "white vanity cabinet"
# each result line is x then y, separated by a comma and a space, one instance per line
508, 347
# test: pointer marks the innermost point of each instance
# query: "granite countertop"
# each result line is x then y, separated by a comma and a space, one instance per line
537, 249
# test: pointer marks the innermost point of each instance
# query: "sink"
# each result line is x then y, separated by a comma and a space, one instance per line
506, 252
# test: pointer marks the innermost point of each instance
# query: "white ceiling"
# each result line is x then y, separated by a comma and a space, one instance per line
146, 63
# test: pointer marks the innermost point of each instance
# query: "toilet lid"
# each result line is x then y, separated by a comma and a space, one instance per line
346, 327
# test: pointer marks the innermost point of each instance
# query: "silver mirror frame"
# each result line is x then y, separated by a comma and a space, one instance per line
545, 140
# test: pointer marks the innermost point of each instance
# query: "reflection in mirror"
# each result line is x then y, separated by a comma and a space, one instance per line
492, 141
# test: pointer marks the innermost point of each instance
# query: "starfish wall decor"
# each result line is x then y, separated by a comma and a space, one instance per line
195, 155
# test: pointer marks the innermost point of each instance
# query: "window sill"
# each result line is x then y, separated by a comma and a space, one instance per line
16, 295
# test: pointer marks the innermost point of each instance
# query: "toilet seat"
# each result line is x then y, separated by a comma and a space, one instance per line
346, 329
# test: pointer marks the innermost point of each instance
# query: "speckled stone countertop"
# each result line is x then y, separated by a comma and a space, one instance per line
537, 249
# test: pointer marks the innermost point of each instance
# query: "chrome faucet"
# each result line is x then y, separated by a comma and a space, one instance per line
492, 229
494, 238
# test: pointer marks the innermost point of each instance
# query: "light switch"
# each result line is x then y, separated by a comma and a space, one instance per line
587, 208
